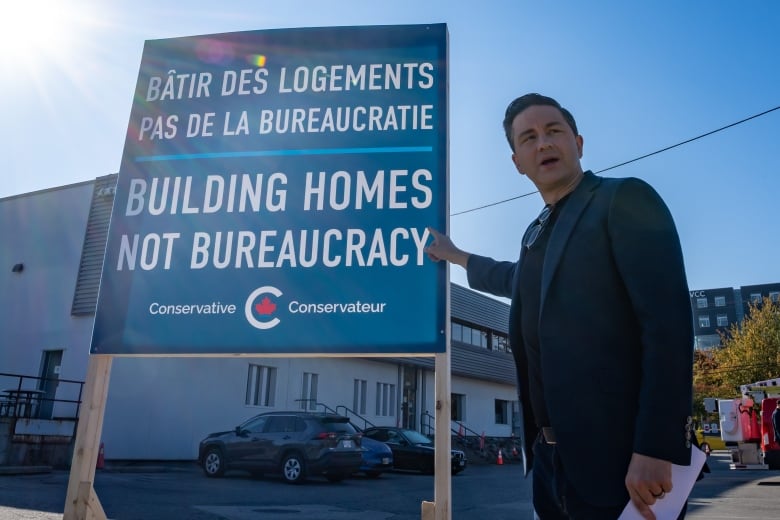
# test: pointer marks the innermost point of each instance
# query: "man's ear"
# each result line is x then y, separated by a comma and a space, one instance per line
517, 165
580, 142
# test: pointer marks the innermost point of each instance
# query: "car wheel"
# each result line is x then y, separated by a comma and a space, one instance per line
335, 477
214, 463
293, 468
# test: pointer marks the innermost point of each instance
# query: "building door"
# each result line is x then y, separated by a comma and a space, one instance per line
50, 376
409, 398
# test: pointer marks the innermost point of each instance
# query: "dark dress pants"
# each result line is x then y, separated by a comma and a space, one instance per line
553, 496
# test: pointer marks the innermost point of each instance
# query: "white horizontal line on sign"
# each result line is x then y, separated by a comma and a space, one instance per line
268, 153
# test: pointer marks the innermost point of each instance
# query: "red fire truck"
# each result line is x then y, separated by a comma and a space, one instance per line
747, 423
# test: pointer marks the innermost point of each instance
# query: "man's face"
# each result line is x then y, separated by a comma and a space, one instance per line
546, 149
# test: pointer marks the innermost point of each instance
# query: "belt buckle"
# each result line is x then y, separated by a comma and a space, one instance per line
549, 435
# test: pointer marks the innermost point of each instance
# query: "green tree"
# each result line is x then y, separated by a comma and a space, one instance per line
707, 380
751, 350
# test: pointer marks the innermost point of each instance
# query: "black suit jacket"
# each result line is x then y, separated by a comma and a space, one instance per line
615, 333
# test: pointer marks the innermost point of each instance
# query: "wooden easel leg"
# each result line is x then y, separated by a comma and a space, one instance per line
81, 502
88, 506
441, 508
428, 510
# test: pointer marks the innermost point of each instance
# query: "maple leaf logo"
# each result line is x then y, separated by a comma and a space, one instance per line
266, 306
259, 307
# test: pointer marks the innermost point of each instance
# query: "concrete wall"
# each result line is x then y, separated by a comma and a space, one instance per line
480, 406
161, 408
44, 231
35, 442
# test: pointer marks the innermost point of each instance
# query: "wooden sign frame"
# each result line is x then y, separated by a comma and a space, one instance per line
82, 503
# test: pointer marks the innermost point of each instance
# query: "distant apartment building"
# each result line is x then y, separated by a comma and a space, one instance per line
715, 310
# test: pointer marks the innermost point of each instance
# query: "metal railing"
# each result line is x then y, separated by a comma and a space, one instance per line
352, 414
33, 398
313, 404
427, 421
426, 424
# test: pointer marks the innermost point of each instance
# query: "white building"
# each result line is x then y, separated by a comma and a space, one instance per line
51, 250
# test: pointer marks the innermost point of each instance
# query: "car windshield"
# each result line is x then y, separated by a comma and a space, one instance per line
416, 437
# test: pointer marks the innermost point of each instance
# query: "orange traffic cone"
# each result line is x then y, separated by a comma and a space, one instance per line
500, 459
101, 461
514, 451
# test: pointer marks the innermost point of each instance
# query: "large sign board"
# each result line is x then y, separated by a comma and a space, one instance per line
274, 195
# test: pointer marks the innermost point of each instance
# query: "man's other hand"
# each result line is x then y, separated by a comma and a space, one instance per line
648, 479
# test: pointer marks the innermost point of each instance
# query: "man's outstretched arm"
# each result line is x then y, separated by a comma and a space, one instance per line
442, 248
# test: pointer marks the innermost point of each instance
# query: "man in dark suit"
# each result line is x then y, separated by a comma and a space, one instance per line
600, 303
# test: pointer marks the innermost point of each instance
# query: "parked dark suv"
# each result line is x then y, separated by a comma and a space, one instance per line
294, 444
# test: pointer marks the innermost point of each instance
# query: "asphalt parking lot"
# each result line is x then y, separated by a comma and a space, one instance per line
180, 490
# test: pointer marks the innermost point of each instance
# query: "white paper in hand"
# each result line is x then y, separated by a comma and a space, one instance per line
683, 478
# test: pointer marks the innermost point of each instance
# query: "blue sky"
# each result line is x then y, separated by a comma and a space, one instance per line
638, 77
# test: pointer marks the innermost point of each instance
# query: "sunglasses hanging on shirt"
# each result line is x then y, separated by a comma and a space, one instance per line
536, 228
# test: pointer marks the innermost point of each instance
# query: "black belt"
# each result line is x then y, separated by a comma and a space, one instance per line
548, 435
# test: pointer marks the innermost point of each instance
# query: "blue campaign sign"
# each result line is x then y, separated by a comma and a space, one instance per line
274, 195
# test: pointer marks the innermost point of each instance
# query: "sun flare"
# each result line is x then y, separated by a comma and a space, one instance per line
34, 30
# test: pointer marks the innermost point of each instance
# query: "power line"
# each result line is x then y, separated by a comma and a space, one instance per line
738, 368
493, 204
630, 161
692, 139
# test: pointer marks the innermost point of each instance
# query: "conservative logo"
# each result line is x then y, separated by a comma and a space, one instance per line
260, 307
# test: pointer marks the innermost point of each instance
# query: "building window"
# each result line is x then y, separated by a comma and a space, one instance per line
774, 296
723, 320
704, 321
457, 332
359, 397
385, 400
470, 335
500, 343
502, 411
260, 386
720, 301
479, 338
755, 297
458, 405
309, 391
701, 303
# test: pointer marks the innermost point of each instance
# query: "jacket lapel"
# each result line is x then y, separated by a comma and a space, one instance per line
563, 227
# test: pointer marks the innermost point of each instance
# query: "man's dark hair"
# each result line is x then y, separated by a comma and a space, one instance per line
529, 100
